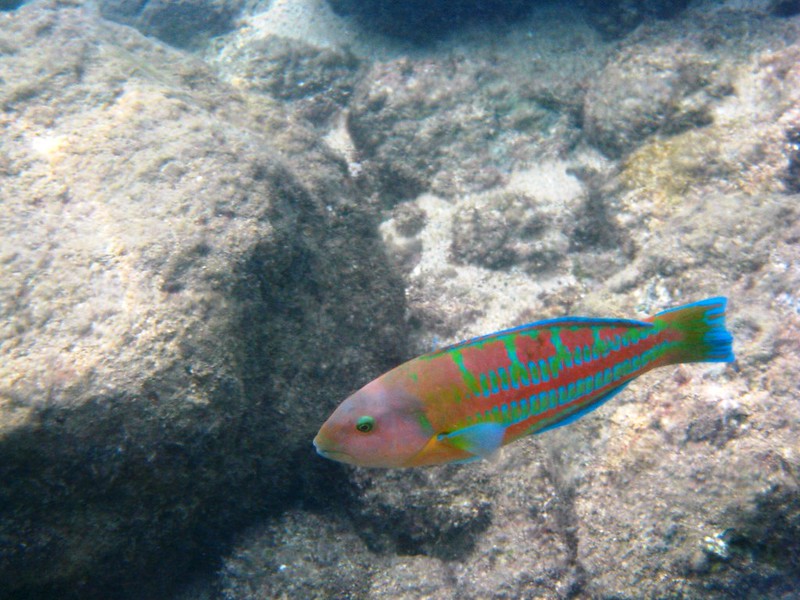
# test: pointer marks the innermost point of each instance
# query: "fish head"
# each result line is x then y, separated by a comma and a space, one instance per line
375, 427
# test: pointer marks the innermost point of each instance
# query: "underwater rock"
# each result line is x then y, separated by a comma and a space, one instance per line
314, 83
700, 99
191, 281
181, 23
706, 238
421, 512
300, 555
455, 124
665, 88
693, 465
183, 277
498, 231
410, 219
400, 124
410, 577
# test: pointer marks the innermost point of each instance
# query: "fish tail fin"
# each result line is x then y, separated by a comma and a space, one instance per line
698, 330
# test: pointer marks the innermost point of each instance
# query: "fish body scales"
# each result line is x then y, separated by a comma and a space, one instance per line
529, 381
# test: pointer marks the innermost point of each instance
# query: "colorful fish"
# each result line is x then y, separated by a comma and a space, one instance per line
463, 402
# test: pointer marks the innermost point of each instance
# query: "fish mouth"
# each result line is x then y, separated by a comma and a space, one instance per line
331, 454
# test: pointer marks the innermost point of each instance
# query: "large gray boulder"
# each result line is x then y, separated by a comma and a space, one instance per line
183, 275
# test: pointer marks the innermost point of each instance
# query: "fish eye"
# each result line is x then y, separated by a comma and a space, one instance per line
365, 424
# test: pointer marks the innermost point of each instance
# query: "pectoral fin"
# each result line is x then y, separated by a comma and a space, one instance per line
481, 440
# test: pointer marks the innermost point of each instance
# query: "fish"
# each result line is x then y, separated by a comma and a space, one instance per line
463, 402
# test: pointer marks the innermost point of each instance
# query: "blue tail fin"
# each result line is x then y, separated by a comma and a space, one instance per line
702, 324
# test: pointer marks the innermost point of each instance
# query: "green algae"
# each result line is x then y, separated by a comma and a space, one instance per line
667, 168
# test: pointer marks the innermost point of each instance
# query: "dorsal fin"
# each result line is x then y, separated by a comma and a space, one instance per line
559, 322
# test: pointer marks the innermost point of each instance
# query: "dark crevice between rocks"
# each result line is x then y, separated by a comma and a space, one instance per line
426, 21
593, 227
566, 518
759, 554
786, 8
792, 178
616, 18
598, 245
770, 533
393, 536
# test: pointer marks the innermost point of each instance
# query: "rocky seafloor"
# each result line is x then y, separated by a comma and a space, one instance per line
217, 219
